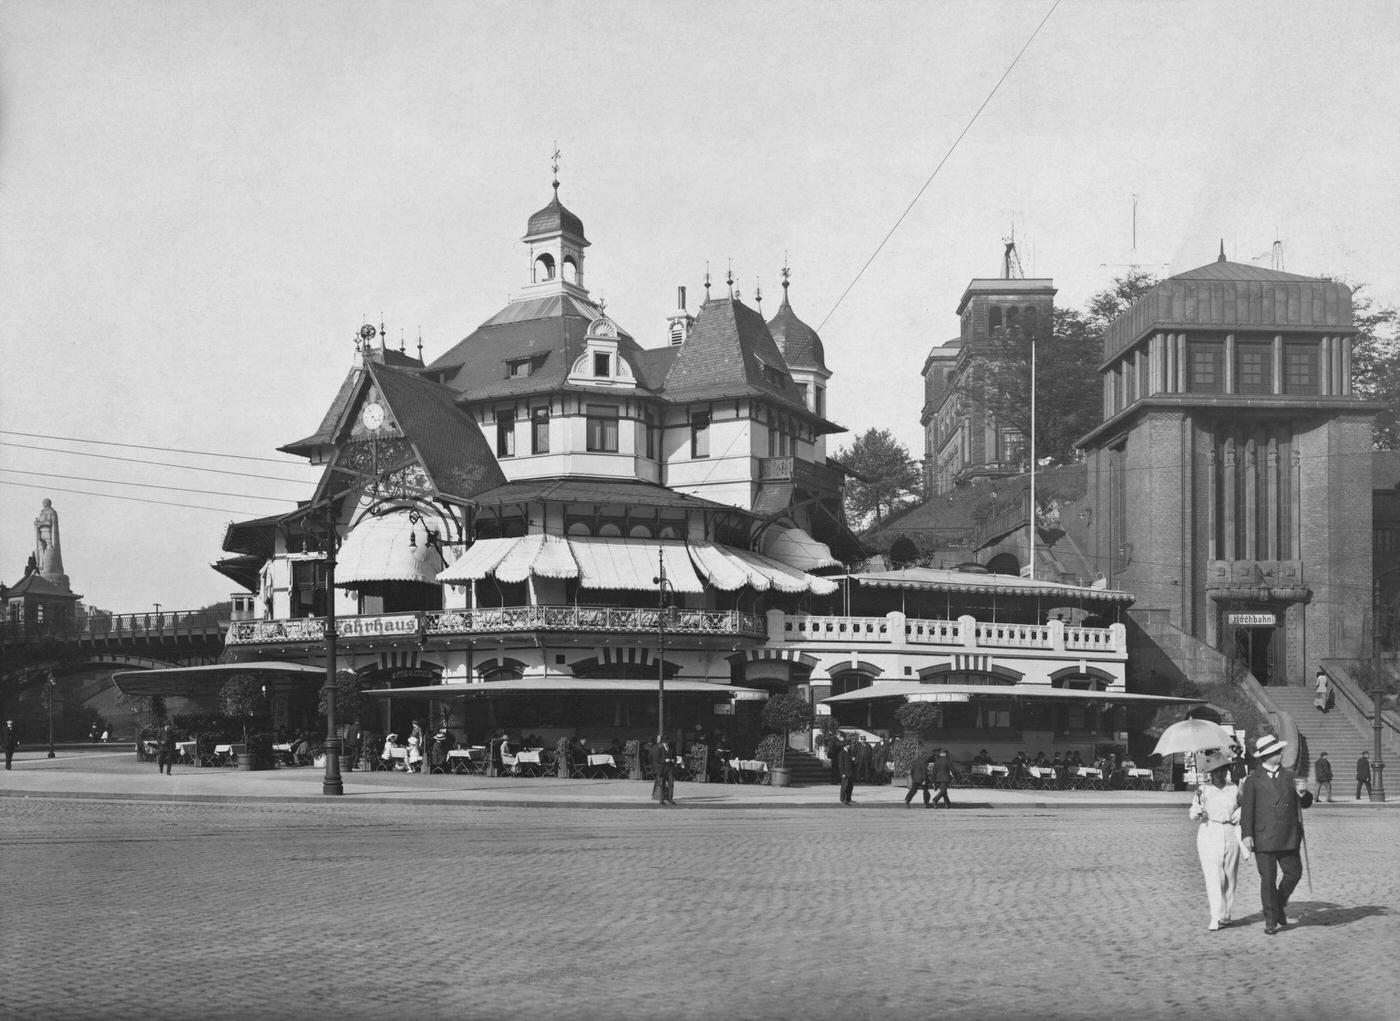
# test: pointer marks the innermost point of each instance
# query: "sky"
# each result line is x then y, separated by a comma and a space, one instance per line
200, 203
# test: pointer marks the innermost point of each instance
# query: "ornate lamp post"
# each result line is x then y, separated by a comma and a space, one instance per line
48, 693
332, 783
662, 587
1377, 763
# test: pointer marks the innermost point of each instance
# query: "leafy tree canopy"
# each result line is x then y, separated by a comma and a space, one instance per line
1068, 391
1375, 363
890, 478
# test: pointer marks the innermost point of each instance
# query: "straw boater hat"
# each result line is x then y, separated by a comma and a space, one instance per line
1209, 762
1268, 745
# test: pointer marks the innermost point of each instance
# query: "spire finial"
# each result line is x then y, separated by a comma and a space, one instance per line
400, 340
758, 292
787, 273
1222, 251
707, 279
729, 277
602, 305
420, 343
554, 165
382, 334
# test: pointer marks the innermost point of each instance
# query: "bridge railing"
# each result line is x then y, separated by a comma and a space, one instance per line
113, 625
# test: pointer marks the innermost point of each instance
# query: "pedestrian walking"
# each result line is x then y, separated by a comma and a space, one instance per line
1363, 774
165, 750
663, 786
918, 777
847, 765
1323, 772
11, 739
864, 758
1217, 808
1322, 691
942, 777
1271, 822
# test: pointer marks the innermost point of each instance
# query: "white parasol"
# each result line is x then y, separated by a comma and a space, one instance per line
1192, 736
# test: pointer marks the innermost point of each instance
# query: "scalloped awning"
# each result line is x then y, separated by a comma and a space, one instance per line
389, 547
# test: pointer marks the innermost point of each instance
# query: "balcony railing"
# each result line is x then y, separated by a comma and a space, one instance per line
965, 632
164, 624
503, 620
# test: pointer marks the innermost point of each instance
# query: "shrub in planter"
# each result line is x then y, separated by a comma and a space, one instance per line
632, 759
697, 761
771, 748
561, 757
786, 713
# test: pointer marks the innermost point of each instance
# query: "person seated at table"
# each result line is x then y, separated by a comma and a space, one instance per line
1040, 760
1073, 760
391, 741
415, 748
982, 758
615, 749
578, 750
442, 744
1057, 763
1018, 766
301, 751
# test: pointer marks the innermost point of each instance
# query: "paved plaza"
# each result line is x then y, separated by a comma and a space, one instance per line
255, 907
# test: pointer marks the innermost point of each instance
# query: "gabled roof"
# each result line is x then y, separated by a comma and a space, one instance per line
324, 435
39, 586
449, 445
550, 330
726, 354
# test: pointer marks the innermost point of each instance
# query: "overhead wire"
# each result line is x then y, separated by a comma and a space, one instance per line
132, 499
148, 446
143, 485
158, 464
951, 149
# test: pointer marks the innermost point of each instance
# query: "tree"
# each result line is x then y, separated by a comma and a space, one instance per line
1068, 389
888, 477
786, 713
241, 697
1375, 364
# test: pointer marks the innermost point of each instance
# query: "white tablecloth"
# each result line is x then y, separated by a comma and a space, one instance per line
601, 760
749, 765
228, 749
989, 769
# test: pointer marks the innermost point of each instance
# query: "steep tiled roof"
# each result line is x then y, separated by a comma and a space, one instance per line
727, 352
325, 433
799, 343
449, 444
37, 585
549, 330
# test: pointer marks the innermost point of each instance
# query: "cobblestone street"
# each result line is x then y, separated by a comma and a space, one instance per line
156, 909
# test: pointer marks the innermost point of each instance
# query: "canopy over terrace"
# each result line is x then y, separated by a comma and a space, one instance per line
617, 563
917, 691
674, 686
940, 592
204, 681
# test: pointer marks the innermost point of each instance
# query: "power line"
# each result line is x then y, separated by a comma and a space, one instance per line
159, 464
144, 485
132, 499
919, 194
147, 446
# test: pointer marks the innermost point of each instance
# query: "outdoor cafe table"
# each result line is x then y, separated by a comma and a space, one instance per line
466, 760
185, 750
1042, 773
996, 775
284, 753
749, 770
1140, 778
1090, 776
530, 762
227, 754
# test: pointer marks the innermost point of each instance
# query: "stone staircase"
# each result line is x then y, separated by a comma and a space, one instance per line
1329, 732
808, 770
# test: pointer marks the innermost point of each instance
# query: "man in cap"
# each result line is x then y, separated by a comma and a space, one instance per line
1323, 773
1271, 827
1363, 774
11, 738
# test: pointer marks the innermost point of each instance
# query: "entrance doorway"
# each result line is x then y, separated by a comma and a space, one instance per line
1255, 648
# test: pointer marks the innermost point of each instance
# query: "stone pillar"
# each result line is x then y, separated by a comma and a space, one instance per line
1251, 499
1227, 486
1278, 363
967, 631
1229, 367
895, 627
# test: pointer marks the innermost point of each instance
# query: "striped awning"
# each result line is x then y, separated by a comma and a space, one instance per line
728, 568
479, 561
796, 548
516, 686
917, 691
540, 556
633, 564
387, 547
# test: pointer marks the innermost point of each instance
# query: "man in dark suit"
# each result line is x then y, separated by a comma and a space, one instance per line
918, 778
942, 777
1271, 827
847, 763
1363, 774
165, 750
11, 740
663, 787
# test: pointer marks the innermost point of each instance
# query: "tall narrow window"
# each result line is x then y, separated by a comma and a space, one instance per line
602, 428
539, 431
1254, 365
1300, 368
505, 432
820, 406
1204, 360
650, 432
700, 434
601, 365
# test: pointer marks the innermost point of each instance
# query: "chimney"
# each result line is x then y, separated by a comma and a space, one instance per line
678, 323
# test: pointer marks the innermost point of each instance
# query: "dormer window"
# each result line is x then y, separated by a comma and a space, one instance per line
601, 363
522, 367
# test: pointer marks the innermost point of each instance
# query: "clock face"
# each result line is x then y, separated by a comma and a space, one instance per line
372, 416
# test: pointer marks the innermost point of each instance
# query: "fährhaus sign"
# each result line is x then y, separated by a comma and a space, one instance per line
374, 627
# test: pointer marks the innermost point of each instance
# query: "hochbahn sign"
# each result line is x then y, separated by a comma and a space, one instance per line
1251, 620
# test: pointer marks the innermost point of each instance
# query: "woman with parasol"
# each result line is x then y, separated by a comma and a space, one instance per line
1217, 808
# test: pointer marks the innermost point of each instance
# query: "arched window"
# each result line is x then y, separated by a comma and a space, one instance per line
544, 267
850, 680
610, 530
578, 528
570, 270
639, 532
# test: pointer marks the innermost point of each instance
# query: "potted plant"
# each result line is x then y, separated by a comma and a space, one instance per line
241, 698
632, 759
785, 713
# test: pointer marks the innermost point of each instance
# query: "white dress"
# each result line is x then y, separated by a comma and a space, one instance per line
1218, 844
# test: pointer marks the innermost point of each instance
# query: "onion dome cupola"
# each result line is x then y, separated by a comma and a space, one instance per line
556, 241
799, 343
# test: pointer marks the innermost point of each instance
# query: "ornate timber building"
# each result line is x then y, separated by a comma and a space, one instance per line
504, 513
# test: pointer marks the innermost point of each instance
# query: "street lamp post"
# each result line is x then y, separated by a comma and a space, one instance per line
332, 783
662, 586
52, 686
1377, 763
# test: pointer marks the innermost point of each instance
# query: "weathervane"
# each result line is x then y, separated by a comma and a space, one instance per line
554, 164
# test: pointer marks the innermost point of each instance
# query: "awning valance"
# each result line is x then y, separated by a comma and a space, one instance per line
674, 686
935, 579
632, 564
388, 547
795, 547
480, 559
543, 556
191, 681
916, 691
728, 568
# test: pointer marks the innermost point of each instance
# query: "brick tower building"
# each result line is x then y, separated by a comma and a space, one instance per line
1229, 477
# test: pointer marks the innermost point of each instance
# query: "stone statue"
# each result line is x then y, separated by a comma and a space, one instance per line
48, 553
